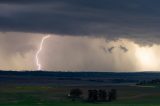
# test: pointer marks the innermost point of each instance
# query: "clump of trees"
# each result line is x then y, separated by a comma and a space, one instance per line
102, 95
75, 94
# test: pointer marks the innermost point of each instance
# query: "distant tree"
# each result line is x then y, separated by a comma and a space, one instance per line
92, 95
75, 93
102, 95
112, 95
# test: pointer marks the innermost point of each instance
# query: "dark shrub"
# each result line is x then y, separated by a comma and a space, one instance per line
102, 95
112, 95
92, 95
75, 93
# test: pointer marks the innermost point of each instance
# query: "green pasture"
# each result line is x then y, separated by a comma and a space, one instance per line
56, 96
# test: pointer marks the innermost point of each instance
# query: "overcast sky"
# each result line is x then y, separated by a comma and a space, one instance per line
86, 35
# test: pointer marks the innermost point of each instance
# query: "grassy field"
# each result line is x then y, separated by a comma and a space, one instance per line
12, 95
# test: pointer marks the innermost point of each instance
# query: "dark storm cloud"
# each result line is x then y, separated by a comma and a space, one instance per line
111, 49
124, 49
107, 50
113, 19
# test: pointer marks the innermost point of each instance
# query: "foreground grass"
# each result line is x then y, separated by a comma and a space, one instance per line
55, 96
79, 104
153, 101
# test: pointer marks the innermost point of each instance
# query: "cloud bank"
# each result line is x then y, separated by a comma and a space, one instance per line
137, 20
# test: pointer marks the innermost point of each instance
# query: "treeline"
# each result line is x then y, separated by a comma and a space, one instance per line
154, 81
94, 95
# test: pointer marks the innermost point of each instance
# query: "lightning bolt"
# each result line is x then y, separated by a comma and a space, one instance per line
39, 67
